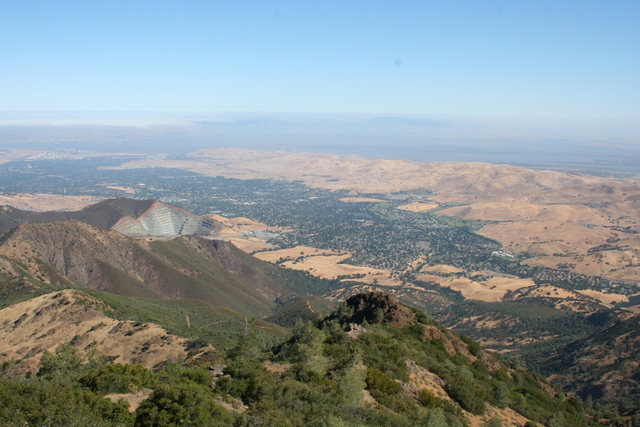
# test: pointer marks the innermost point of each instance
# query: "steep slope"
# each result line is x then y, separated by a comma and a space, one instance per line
71, 317
604, 365
378, 353
135, 218
188, 267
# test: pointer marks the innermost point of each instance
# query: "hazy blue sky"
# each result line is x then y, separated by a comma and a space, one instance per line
524, 58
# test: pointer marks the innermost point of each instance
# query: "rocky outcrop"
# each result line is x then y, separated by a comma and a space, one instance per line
379, 307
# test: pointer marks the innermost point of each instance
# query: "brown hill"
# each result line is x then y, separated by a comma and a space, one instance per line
187, 267
135, 218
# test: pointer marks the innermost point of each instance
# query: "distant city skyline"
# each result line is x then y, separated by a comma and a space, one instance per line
541, 61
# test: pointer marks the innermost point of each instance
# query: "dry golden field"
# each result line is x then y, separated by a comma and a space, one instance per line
361, 200
493, 289
326, 264
419, 207
46, 202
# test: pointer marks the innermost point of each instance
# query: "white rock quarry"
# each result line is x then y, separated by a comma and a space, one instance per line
162, 220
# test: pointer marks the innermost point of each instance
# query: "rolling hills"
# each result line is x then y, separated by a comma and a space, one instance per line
68, 316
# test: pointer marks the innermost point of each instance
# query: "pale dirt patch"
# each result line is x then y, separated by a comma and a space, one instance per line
277, 367
300, 252
133, 399
441, 269
419, 207
226, 233
231, 404
508, 416
242, 223
251, 245
367, 399
47, 202
127, 190
421, 378
361, 200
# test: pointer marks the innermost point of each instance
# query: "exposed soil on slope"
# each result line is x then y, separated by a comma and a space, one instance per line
70, 317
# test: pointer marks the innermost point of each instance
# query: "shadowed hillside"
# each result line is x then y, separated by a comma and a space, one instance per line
188, 267
603, 366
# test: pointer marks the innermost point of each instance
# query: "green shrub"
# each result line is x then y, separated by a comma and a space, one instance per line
378, 381
119, 378
428, 399
181, 404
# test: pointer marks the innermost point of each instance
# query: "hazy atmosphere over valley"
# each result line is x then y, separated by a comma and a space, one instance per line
279, 213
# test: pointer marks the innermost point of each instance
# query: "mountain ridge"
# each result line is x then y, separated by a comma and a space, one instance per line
134, 218
186, 267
